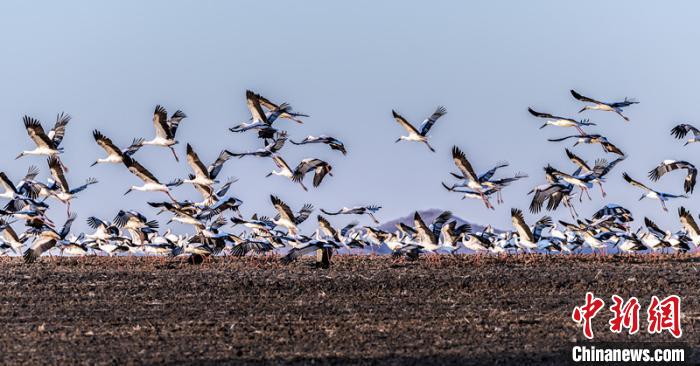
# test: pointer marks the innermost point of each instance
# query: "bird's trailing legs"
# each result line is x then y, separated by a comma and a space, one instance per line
174, 154
600, 184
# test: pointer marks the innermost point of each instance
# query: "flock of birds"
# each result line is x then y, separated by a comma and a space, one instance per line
133, 233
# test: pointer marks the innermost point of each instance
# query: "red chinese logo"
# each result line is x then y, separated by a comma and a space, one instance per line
661, 315
584, 314
665, 315
625, 315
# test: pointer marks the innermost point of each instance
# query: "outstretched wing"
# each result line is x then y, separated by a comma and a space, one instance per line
430, 121
106, 143
583, 98
520, 225
253, 103
463, 164
36, 132
424, 233
57, 173
59, 129
160, 122
405, 124
283, 209
195, 163
634, 182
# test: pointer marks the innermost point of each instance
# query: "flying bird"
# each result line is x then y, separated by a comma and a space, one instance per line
286, 218
671, 165
165, 129
357, 210
47, 144
205, 175
650, 193
593, 139
680, 131
602, 106
422, 135
468, 173
150, 182
114, 153
62, 191
318, 166
553, 120
332, 142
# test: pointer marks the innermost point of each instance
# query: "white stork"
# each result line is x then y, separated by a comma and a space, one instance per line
165, 129
151, 184
422, 135
602, 106
650, 193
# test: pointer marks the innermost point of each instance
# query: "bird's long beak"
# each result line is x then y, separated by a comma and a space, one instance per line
93, 164
642, 197
583, 109
543, 126
397, 140
127, 192
19, 156
268, 174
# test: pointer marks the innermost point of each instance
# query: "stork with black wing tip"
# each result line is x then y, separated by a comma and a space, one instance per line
602, 106
368, 210
284, 170
526, 239
47, 144
318, 166
10, 237
670, 165
115, 155
286, 218
681, 130
21, 189
553, 120
650, 193
138, 226
473, 182
260, 120
689, 225
269, 149
592, 139
165, 129
422, 135
332, 142
203, 175
62, 191
284, 113
46, 239
151, 183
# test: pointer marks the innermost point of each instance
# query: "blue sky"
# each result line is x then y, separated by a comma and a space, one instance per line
348, 65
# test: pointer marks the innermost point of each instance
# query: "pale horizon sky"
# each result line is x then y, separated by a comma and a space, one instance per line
348, 65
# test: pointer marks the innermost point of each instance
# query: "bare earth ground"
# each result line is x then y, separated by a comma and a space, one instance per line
364, 310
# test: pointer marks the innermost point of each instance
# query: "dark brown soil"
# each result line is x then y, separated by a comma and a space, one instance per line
364, 310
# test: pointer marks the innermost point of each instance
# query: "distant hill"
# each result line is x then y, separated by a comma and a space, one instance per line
428, 216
